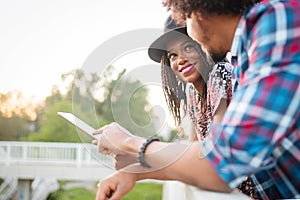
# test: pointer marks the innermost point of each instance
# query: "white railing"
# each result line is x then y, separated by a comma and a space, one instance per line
79, 154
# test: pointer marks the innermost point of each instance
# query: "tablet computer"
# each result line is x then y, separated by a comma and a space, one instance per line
78, 123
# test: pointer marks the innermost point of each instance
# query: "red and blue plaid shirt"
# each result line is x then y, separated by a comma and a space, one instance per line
260, 134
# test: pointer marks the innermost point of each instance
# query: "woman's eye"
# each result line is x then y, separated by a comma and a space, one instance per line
172, 56
189, 47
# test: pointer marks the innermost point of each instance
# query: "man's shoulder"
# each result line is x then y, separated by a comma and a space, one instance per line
269, 7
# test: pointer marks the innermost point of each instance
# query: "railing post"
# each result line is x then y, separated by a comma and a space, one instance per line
78, 156
8, 154
24, 147
88, 157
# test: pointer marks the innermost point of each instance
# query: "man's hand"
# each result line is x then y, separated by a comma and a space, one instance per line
115, 186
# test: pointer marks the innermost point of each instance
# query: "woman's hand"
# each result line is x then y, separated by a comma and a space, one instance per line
115, 140
115, 186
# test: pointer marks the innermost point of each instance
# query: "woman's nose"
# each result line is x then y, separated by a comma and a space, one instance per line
181, 59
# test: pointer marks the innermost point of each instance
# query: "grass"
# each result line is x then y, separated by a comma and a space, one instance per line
72, 194
141, 191
145, 191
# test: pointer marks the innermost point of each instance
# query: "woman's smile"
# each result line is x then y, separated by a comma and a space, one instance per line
186, 69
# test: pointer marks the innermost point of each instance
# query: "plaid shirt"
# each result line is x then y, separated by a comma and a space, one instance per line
260, 134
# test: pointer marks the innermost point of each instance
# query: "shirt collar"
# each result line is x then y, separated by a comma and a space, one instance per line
237, 39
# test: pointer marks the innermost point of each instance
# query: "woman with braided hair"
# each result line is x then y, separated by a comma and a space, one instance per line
190, 79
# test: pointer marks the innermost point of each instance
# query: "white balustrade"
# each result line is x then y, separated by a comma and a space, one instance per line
79, 154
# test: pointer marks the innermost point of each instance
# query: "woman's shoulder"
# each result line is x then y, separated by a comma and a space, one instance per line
221, 71
223, 67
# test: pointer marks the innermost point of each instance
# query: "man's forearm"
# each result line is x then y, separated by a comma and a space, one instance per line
176, 161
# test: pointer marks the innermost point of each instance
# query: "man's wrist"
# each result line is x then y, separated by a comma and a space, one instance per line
142, 151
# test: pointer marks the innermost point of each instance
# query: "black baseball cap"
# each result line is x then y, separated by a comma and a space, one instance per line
171, 30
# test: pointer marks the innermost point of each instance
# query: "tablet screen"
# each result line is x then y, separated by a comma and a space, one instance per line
78, 123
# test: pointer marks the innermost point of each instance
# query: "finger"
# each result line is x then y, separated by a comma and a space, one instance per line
98, 184
107, 152
100, 130
103, 192
102, 195
113, 156
97, 132
104, 150
117, 194
95, 142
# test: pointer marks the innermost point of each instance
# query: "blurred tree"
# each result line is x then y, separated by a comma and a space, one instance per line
17, 116
52, 127
13, 128
125, 101
88, 97
14, 104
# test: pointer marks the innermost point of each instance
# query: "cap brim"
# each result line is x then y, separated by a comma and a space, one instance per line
158, 48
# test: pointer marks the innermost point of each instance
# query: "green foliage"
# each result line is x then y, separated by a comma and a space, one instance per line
53, 128
145, 191
141, 191
13, 128
126, 103
72, 194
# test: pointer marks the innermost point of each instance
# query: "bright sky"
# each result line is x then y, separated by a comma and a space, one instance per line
42, 39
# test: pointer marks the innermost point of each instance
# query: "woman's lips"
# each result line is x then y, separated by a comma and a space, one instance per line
186, 69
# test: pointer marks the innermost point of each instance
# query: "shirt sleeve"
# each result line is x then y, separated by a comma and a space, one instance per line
266, 104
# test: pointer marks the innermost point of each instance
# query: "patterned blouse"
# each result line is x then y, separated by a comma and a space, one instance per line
218, 87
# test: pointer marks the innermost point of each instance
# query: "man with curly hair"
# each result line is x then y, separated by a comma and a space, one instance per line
260, 132
259, 136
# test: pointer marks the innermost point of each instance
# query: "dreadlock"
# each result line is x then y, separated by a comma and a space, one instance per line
170, 85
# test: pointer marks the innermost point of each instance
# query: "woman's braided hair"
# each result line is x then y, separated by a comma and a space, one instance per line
170, 85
